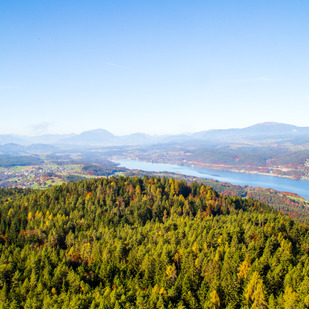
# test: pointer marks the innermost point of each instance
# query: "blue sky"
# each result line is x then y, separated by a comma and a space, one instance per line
159, 67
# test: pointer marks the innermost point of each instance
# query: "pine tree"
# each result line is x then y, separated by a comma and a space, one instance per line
254, 292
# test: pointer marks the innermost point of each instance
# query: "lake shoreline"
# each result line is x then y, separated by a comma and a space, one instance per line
222, 167
300, 187
231, 169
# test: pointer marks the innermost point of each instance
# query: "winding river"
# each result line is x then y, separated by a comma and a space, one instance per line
300, 187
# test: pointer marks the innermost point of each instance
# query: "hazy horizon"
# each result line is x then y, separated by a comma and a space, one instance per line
167, 134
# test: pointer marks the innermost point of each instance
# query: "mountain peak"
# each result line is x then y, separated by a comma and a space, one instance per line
97, 131
269, 123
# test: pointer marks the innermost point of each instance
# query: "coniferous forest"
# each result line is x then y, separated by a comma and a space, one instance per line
148, 242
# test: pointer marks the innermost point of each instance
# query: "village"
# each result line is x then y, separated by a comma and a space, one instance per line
42, 176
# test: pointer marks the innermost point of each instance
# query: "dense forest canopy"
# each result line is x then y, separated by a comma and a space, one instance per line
149, 242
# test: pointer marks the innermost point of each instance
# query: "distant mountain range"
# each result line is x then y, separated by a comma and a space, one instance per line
268, 131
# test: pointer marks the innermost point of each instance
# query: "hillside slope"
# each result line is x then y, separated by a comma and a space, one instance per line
147, 243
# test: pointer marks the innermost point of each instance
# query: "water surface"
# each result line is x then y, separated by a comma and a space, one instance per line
300, 187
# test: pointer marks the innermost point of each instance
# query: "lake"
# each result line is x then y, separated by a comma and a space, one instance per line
300, 187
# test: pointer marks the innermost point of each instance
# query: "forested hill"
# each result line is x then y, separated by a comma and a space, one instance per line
148, 243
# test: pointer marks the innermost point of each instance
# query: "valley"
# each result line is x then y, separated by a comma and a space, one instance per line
264, 149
